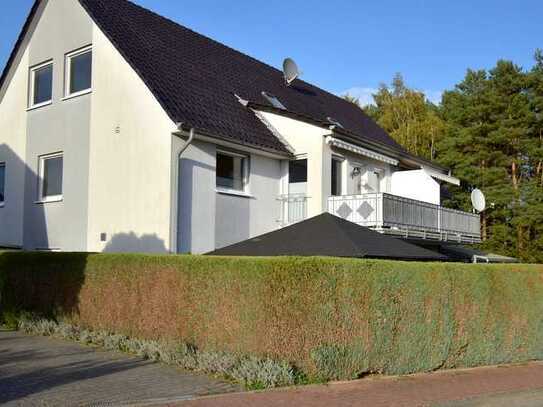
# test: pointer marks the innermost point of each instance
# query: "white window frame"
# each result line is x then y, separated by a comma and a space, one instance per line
41, 170
68, 71
3, 164
343, 183
32, 82
245, 175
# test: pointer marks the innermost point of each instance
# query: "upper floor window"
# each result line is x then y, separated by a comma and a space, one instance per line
2, 183
232, 171
41, 84
78, 72
51, 174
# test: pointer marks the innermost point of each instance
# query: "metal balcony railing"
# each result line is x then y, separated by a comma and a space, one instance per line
406, 217
293, 208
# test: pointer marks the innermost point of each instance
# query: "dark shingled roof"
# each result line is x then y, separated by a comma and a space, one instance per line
195, 78
329, 235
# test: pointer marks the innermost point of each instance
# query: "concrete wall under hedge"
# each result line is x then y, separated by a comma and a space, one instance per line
333, 318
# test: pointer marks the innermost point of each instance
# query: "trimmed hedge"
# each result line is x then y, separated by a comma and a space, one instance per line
331, 318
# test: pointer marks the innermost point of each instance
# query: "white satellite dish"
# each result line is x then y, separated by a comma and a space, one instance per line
290, 70
478, 200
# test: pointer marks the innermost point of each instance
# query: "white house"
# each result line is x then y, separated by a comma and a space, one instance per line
121, 130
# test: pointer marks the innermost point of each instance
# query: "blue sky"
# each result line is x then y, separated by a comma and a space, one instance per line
355, 45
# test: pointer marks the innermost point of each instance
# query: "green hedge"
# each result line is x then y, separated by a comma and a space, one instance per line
331, 318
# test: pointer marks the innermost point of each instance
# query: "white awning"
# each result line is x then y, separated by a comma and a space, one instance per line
360, 150
442, 177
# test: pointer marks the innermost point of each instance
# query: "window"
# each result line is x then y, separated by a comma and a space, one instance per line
297, 171
2, 183
232, 170
78, 72
50, 170
41, 85
337, 176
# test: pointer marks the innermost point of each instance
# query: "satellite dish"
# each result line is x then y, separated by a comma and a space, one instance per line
478, 200
290, 70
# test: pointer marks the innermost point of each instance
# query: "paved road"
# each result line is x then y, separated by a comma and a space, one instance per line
514, 385
37, 371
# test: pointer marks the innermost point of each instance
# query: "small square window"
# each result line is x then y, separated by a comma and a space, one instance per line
78, 72
41, 85
2, 183
232, 171
51, 174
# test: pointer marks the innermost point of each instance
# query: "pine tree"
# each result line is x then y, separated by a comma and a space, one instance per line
488, 144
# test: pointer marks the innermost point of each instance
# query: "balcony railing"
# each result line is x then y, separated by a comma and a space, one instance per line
293, 208
406, 217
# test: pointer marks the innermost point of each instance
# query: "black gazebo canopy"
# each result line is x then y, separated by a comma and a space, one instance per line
329, 235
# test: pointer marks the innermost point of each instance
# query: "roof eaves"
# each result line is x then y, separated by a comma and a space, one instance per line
202, 132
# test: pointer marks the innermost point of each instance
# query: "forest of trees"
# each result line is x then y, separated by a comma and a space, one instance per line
489, 131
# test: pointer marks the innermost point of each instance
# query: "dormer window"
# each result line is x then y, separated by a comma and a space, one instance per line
273, 100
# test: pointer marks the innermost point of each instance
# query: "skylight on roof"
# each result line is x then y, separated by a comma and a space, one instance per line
273, 100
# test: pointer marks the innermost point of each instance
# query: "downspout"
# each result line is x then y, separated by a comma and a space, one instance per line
175, 187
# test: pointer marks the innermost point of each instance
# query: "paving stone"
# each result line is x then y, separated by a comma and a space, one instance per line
39, 371
503, 386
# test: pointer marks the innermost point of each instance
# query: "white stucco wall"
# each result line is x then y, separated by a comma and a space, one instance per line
130, 159
197, 199
63, 127
237, 217
209, 219
58, 27
308, 140
13, 151
416, 184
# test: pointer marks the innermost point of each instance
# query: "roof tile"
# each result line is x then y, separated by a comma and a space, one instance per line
195, 79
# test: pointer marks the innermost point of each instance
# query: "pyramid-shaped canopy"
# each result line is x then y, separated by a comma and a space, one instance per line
329, 235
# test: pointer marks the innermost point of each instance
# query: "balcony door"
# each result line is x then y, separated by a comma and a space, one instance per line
370, 180
297, 177
294, 202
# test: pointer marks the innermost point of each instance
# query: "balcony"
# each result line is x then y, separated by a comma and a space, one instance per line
406, 217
